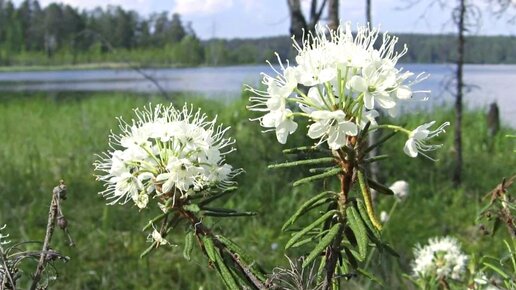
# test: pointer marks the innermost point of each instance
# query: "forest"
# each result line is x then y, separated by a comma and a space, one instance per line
58, 34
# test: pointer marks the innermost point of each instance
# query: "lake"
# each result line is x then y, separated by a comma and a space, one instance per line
486, 83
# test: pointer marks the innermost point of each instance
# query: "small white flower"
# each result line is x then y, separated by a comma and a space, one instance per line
400, 189
416, 142
156, 237
441, 258
282, 122
384, 216
369, 116
333, 125
376, 85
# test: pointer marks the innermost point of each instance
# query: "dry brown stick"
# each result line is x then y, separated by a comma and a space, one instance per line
57, 192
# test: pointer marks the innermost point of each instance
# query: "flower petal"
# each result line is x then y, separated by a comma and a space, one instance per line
385, 101
358, 84
318, 129
410, 148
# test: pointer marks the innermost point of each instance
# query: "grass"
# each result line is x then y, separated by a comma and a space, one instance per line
46, 138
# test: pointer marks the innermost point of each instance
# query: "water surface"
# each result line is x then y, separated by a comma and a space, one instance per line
486, 83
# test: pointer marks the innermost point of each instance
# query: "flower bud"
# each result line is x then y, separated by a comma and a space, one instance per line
400, 189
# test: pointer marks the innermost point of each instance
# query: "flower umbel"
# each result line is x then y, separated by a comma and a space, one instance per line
338, 82
164, 152
442, 258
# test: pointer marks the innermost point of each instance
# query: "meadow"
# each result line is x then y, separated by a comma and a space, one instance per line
46, 138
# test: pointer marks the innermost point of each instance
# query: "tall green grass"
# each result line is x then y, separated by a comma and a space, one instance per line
46, 138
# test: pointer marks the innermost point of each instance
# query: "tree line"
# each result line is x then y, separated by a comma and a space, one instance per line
59, 34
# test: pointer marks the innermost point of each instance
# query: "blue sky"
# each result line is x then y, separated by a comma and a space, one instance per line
256, 18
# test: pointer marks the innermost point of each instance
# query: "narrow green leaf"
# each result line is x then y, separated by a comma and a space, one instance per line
365, 218
379, 187
351, 259
301, 149
305, 207
390, 250
303, 242
321, 169
365, 130
318, 176
218, 209
148, 250
250, 262
368, 200
225, 273
310, 239
226, 214
211, 198
370, 276
344, 268
209, 247
187, 250
239, 274
498, 270
359, 230
302, 162
376, 158
154, 220
380, 142
323, 244
372, 232
302, 232
320, 271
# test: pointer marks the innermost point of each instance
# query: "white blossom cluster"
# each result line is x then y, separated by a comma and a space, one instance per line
164, 151
441, 258
338, 83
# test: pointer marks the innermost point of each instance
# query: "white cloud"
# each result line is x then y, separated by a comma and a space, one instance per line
189, 7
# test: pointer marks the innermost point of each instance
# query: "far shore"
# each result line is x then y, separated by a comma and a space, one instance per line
128, 65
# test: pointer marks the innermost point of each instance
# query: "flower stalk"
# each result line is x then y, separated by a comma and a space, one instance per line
338, 83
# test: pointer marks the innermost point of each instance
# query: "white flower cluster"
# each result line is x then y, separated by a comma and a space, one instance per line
441, 258
338, 83
164, 151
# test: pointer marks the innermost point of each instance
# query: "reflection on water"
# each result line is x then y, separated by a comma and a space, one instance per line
486, 82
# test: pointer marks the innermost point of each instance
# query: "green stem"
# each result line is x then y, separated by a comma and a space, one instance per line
392, 127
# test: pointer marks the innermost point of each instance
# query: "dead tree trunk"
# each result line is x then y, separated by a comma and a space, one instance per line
333, 14
299, 25
297, 20
368, 12
457, 172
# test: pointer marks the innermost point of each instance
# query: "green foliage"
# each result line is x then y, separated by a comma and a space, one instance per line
49, 137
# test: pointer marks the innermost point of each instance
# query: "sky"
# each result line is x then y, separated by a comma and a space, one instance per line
257, 18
